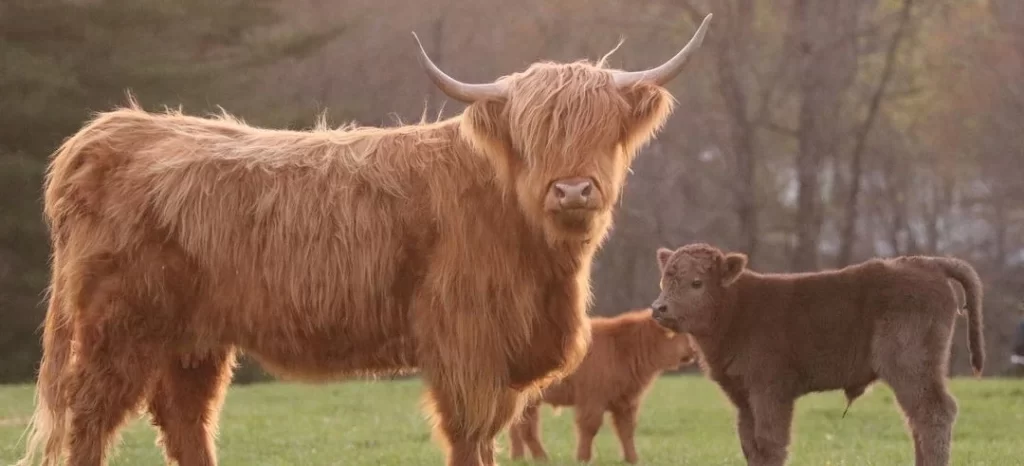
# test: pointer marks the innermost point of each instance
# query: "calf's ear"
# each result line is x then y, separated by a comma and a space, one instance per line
733, 267
664, 254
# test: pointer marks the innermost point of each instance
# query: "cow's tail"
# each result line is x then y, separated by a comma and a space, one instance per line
48, 427
964, 273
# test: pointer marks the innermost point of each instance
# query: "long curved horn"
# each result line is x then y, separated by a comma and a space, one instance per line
453, 88
669, 69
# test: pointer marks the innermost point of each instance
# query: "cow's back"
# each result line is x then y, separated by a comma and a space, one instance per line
212, 223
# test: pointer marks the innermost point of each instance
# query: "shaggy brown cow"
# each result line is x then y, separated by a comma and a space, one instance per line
461, 247
768, 339
627, 353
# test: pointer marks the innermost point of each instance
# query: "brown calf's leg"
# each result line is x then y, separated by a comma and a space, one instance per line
773, 418
744, 422
185, 405
588, 422
931, 413
624, 418
745, 429
515, 440
912, 356
107, 382
531, 432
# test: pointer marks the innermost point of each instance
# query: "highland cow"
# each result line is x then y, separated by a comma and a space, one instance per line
461, 248
767, 339
627, 353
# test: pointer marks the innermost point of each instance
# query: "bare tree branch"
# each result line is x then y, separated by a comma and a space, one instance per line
849, 225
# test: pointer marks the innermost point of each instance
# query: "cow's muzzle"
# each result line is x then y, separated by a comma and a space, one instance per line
575, 193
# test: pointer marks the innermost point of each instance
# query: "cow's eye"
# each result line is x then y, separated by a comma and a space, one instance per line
696, 283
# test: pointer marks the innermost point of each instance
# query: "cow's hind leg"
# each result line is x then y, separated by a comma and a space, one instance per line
185, 404
107, 382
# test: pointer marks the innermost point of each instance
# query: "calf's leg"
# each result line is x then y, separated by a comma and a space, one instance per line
588, 422
186, 402
624, 418
530, 432
773, 418
912, 354
515, 440
744, 422
931, 413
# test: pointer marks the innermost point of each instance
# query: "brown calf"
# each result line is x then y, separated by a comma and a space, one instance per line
627, 354
768, 339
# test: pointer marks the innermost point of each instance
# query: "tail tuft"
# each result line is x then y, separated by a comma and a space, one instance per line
47, 428
964, 273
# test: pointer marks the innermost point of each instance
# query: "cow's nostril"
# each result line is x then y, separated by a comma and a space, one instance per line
586, 190
559, 192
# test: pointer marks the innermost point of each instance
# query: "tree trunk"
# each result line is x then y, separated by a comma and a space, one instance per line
731, 43
848, 234
825, 74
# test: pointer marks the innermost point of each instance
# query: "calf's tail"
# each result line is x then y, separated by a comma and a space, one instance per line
964, 273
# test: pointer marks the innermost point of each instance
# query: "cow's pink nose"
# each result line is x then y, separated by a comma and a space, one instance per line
573, 193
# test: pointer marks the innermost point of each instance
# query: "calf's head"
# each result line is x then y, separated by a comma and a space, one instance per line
694, 283
673, 349
561, 137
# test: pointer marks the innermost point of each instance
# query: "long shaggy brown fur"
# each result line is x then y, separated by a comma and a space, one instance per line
768, 339
627, 355
327, 254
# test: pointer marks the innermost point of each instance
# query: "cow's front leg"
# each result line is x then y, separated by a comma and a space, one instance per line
468, 418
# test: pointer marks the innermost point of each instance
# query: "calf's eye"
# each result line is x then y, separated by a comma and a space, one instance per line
696, 283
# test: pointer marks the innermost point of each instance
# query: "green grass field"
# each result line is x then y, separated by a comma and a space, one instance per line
684, 421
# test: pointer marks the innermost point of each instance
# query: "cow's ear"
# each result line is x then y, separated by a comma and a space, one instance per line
650, 106
486, 125
732, 268
664, 254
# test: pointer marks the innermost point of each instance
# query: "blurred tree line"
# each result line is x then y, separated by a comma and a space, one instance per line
809, 134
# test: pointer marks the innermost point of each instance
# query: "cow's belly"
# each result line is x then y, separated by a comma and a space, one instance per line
299, 350
323, 360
